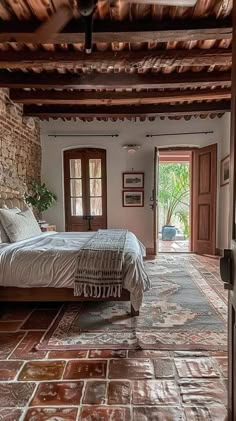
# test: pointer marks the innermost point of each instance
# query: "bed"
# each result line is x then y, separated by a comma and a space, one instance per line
52, 257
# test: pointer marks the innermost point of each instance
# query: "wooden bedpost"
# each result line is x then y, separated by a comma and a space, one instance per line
134, 312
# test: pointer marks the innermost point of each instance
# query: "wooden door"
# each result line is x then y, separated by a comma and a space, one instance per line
204, 200
85, 189
155, 200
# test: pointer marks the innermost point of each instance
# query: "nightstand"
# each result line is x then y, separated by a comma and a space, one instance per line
49, 228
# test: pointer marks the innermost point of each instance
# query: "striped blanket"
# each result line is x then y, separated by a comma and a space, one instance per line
99, 271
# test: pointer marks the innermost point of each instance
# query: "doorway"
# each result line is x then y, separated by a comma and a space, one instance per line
85, 189
174, 201
202, 175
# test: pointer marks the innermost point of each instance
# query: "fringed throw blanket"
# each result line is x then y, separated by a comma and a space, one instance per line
99, 271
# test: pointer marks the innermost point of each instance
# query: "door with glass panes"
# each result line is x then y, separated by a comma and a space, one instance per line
85, 189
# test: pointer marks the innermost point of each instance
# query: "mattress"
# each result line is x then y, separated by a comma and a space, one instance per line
49, 260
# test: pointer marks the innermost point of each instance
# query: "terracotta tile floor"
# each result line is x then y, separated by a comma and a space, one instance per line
104, 385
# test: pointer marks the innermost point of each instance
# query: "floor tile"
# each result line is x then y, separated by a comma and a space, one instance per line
42, 370
223, 365
196, 367
67, 354
58, 393
202, 391
95, 393
9, 370
15, 394
10, 414
119, 393
131, 369
164, 368
93, 413
27, 348
15, 312
155, 392
40, 319
214, 413
158, 414
52, 414
85, 369
107, 353
8, 342
10, 326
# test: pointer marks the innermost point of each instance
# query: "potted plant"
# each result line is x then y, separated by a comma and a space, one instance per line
173, 196
41, 198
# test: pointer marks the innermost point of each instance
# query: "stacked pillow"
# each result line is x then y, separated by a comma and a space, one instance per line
3, 235
16, 225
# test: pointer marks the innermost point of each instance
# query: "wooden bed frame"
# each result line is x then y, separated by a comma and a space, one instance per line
15, 294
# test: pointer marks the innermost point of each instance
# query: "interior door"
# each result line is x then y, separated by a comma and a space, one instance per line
155, 200
204, 200
85, 189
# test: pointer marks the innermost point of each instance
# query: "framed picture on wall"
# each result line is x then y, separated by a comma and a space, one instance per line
224, 170
133, 198
133, 180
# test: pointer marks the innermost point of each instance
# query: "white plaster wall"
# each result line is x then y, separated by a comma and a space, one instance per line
138, 220
224, 204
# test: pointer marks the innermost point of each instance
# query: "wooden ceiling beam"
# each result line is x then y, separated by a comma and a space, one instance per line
113, 80
57, 111
115, 98
124, 59
120, 31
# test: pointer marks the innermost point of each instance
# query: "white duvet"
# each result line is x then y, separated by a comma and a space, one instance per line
49, 260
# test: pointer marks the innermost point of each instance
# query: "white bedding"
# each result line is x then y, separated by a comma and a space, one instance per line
49, 260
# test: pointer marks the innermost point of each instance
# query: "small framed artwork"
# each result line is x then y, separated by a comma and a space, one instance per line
133, 198
133, 180
224, 170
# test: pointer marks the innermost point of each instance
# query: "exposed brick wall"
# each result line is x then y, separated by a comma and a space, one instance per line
20, 149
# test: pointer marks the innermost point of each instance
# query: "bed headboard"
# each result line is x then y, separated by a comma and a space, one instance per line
11, 198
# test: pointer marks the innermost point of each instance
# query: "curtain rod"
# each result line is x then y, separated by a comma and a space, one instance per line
83, 135
178, 134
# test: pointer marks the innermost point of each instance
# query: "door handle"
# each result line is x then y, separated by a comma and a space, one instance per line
226, 272
88, 218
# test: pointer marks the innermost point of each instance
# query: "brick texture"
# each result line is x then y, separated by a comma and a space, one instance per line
20, 149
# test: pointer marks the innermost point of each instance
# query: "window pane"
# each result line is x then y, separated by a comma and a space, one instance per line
96, 187
76, 187
95, 168
96, 206
75, 168
76, 207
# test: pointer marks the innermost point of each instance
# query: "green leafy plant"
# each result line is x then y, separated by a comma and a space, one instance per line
41, 198
173, 194
183, 216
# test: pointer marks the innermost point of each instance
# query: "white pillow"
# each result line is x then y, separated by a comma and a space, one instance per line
19, 226
3, 235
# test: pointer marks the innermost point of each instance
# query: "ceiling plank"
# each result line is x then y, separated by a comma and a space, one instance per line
55, 111
125, 59
115, 98
113, 80
117, 31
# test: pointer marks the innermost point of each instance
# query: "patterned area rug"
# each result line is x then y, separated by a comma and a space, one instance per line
185, 309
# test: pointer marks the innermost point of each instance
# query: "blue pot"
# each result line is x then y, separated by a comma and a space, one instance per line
169, 233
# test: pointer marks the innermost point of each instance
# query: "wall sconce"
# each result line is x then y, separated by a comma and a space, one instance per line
131, 148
